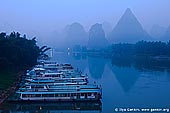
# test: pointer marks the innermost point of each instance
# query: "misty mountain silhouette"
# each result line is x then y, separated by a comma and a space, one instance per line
107, 28
97, 37
166, 36
157, 31
75, 35
128, 29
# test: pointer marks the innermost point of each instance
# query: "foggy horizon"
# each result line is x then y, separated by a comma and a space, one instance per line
42, 18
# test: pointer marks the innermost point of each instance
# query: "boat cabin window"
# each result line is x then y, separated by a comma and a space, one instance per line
65, 95
68, 95
24, 95
47, 95
82, 94
51, 95
31, 95
37, 95
73, 94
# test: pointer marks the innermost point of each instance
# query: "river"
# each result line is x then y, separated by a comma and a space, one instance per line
125, 85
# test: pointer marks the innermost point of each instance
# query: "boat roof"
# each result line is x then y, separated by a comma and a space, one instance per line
59, 92
61, 89
53, 73
39, 69
52, 83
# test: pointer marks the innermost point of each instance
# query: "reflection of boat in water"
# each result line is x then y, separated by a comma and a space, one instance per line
53, 107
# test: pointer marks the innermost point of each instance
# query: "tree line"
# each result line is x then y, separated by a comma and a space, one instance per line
18, 51
153, 48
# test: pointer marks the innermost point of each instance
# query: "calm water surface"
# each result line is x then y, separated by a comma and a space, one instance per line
123, 85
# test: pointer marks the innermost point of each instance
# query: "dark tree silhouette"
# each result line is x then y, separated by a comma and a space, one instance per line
17, 51
152, 49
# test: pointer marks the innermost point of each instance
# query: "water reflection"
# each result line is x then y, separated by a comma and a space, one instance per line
128, 69
51, 107
142, 63
126, 82
144, 81
77, 60
151, 64
96, 66
79, 56
127, 76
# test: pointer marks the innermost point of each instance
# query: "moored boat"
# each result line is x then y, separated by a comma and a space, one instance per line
51, 81
60, 93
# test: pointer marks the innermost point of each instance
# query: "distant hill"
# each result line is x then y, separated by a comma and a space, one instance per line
157, 31
97, 37
107, 28
128, 29
166, 36
75, 34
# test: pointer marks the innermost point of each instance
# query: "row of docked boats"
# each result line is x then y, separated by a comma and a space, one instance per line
50, 81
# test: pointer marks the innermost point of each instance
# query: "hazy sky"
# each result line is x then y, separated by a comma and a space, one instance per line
42, 16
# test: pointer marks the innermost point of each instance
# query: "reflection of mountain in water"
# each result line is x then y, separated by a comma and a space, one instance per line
142, 63
53, 107
124, 71
96, 66
79, 56
122, 61
127, 68
127, 76
151, 64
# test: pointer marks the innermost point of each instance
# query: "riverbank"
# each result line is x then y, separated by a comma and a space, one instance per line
11, 90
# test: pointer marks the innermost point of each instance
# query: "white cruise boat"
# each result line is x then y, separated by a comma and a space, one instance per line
60, 93
51, 81
63, 81
73, 77
56, 66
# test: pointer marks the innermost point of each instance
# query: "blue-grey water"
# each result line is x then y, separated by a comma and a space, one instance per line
124, 84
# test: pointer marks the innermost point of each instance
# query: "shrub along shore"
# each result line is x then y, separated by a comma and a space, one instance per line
17, 53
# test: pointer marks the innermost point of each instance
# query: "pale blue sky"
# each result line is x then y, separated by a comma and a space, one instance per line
41, 16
